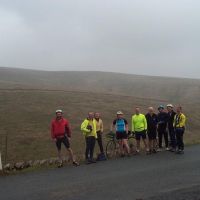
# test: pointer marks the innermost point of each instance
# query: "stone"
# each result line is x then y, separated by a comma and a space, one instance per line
19, 165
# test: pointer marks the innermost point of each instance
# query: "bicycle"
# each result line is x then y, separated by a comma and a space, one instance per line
112, 146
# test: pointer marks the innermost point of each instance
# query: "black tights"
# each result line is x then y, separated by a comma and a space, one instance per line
90, 144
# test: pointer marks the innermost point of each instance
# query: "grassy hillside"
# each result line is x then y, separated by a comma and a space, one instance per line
26, 112
26, 117
172, 89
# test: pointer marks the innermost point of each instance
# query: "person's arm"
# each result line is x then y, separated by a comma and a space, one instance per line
174, 122
84, 127
132, 124
101, 126
68, 129
126, 124
145, 123
113, 126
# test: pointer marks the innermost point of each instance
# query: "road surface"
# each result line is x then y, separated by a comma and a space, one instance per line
163, 176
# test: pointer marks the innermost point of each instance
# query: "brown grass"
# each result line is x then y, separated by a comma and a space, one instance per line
26, 115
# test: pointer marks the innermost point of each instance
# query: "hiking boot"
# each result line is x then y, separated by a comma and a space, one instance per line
154, 151
179, 151
88, 161
93, 161
172, 150
76, 164
148, 152
159, 150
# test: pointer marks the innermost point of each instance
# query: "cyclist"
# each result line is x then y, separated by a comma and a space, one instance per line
61, 133
88, 127
99, 127
162, 127
171, 115
121, 126
179, 126
152, 121
139, 127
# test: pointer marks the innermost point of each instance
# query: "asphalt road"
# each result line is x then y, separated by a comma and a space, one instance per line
164, 176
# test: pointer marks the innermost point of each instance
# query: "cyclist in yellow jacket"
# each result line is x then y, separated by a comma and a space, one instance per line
88, 127
99, 127
179, 127
139, 127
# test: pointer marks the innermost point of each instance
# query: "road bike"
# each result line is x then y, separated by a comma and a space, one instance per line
112, 146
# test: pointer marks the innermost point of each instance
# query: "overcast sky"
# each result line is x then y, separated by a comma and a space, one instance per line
154, 37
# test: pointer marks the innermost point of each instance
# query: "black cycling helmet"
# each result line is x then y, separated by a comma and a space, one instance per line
161, 107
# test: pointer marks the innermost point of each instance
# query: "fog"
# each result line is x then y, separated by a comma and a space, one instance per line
150, 37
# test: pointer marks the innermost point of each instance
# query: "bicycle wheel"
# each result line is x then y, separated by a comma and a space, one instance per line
131, 143
111, 149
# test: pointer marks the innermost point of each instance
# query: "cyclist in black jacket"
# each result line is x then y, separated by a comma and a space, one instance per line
171, 115
152, 121
162, 127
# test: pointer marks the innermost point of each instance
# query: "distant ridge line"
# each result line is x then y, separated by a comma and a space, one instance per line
82, 92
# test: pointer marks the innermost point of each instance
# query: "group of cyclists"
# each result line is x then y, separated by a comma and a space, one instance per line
150, 128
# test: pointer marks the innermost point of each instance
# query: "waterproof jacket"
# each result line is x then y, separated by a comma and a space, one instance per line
171, 116
60, 128
179, 120
152, 121
87, 132
139, 123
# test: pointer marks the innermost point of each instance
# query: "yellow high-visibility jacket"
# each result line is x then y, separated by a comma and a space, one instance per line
86, 131
139, 123
179, 120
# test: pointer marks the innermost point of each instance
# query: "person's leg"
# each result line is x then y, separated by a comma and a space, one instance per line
181, 144
166, 138
125, 144
160, 138
150, 140
100, 142
121, 148
143, 135
137, 137
87, 140
178, 137
172, 138
154, 141
92, 145
150, 144
58, 145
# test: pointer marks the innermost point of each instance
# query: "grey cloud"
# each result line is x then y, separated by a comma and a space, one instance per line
131, 36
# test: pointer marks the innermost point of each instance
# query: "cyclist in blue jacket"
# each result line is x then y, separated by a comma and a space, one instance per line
121, 127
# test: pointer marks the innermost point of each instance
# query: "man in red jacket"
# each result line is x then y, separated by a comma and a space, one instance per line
61, 133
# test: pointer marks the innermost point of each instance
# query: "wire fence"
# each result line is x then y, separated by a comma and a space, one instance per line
3, 147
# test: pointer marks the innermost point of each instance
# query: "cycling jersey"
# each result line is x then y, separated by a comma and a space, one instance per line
139, 123
120, 124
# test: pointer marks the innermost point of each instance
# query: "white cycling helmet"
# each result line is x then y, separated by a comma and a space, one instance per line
59, 111
170, 105
120, 113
